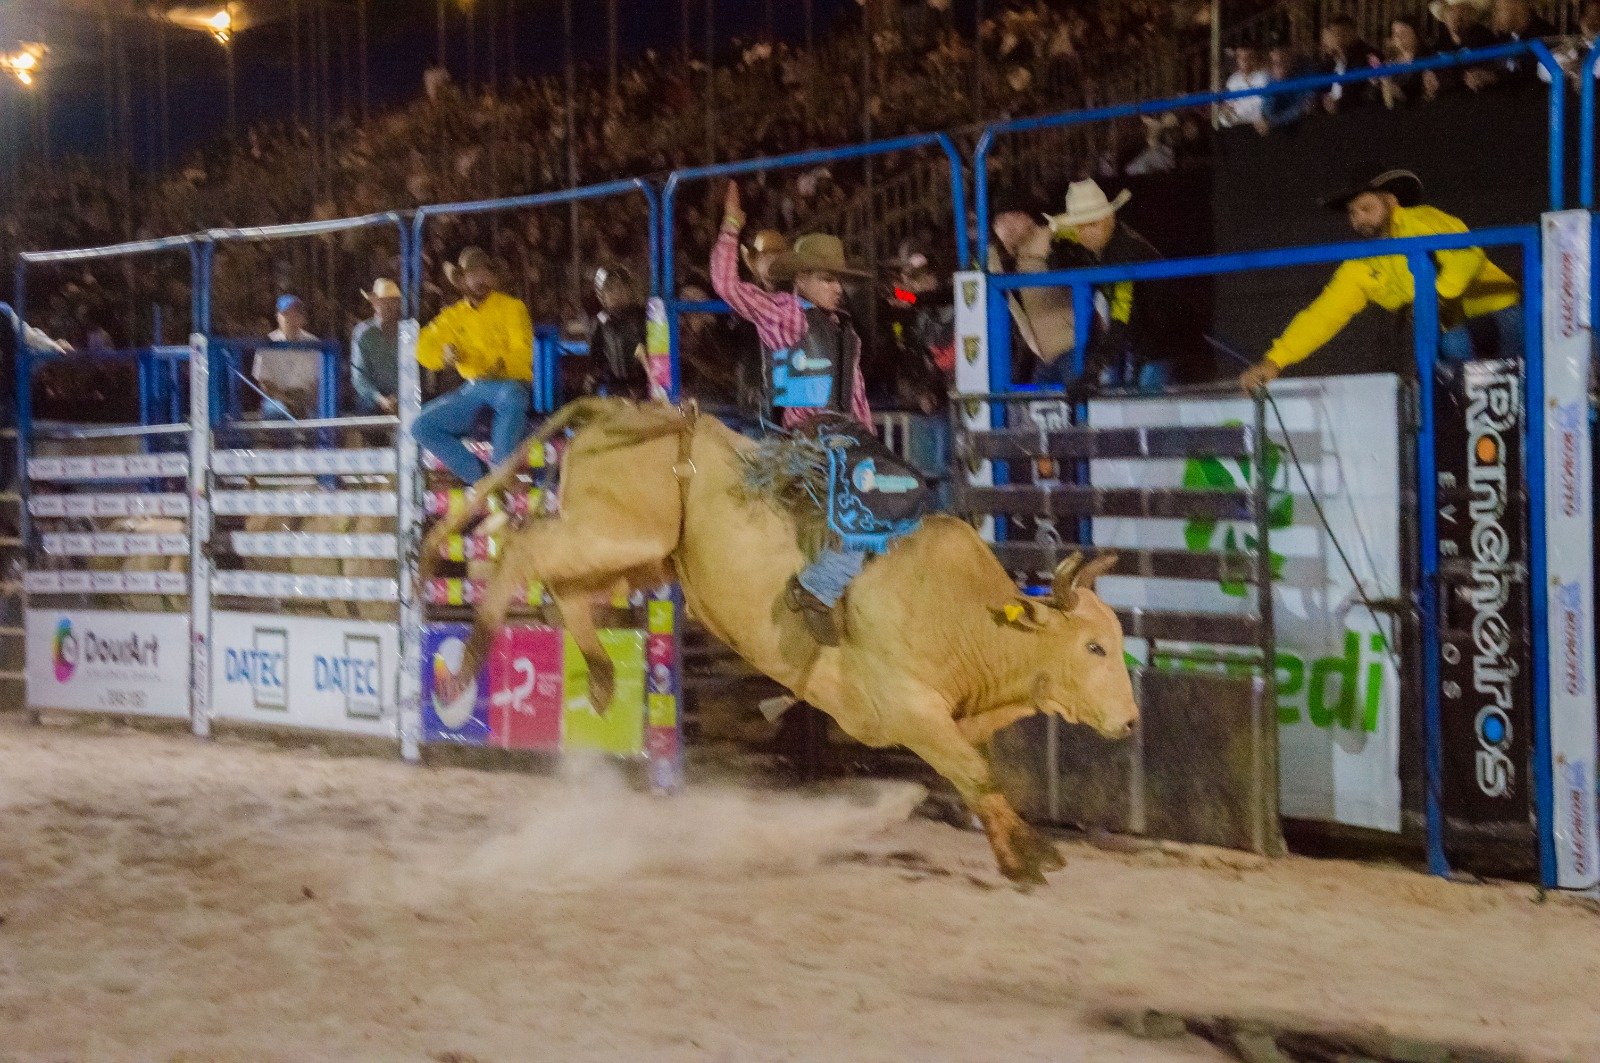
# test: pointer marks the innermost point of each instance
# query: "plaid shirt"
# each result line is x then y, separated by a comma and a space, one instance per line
780, 321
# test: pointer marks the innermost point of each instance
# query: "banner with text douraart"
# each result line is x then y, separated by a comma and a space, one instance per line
125, 663
1337, 673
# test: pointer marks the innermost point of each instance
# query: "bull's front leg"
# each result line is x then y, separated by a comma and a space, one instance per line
1023, 854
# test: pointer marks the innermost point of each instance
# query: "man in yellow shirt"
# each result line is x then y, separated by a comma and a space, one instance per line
1480, 309
487, 337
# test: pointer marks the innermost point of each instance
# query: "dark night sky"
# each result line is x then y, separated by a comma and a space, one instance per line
403, 44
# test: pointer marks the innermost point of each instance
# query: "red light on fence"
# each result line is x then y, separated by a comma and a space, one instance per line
909, 298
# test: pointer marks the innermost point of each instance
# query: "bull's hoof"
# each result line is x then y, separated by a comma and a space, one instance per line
1029, 858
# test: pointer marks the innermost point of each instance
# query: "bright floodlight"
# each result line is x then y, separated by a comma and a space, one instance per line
221, 25
23, 64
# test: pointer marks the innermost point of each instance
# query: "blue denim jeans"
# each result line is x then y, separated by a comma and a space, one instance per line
448, 419
829, 575
1496, 335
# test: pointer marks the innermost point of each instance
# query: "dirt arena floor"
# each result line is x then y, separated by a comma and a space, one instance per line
167, 899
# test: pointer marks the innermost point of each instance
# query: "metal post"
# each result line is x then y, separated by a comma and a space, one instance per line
1535, 459
233, 89
200, 415
572, 139
408, 526
1216, 54
443, 65
979, 67
1425, 317
362, 58
1269, 831
611, 46
711, 81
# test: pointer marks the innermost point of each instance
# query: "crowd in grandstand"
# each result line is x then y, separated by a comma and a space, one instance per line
455, 144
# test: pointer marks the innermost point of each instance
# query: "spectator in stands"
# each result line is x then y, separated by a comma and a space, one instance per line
1284, 109
1343, 51
375, 351
1122, 352
486, 337
1249, 72
1162, 134
1405, 46
289, 377
1572, 55
820, 370
1515, 21
617, 340
1463, 29
1043, 316
1479, 305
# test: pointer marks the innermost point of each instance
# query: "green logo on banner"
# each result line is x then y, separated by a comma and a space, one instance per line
1217, 474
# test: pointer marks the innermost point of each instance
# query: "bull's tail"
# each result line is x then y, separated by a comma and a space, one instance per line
574, 414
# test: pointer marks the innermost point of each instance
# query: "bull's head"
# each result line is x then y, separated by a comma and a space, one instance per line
1079, 671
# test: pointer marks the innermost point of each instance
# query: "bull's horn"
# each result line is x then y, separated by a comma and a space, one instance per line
1086, 575
1066, 579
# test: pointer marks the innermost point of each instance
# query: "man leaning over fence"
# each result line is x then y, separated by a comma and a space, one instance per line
1479, 304
486, 337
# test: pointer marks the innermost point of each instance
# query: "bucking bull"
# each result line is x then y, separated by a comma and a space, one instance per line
940, 649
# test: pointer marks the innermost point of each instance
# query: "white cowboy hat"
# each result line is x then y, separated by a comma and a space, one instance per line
1436, 9
382, 288
1087, 202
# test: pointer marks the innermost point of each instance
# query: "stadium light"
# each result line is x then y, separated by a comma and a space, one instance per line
24, 63
220, 25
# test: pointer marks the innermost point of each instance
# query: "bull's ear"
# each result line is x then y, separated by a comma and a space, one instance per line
1024, 614
1094, 570
1062, 591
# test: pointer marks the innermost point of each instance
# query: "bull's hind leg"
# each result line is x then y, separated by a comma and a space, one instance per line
1023, 855
574, 560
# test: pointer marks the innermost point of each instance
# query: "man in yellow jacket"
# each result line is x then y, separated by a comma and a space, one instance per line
487, 337
1480, 307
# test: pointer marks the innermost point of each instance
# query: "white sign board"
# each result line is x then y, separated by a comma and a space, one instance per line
133, 663
1569, 528
972, 368
1338, 681
293, 671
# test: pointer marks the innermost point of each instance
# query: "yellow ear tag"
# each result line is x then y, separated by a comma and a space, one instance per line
1013, 613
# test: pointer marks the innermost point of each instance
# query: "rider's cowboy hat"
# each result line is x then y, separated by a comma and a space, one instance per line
1437, 8
1087, 202
816, 252
472, 258
382, 288
1405, 186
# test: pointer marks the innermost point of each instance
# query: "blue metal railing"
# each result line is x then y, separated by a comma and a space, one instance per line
1295, 86
1418, 252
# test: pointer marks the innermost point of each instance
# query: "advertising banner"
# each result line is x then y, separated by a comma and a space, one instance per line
1337, 671
621, 729
526, 680
1485, 688
132, 663
464, 721
294, 671
1569, 527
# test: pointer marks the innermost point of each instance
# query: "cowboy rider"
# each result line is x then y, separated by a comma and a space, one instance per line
813, 360
1480, 309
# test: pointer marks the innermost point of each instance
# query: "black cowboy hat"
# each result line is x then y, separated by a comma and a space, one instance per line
1405, 186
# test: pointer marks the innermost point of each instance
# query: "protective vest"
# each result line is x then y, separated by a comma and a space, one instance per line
818, 371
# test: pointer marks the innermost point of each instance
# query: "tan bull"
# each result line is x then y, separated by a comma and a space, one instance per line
940, 649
